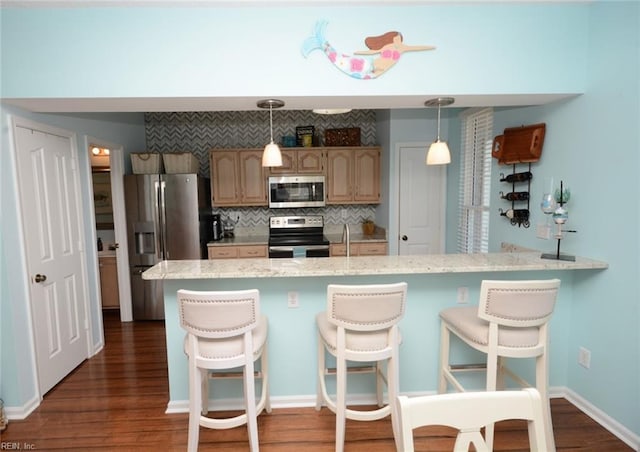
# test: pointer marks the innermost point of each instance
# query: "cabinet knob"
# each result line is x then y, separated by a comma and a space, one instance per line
405, 238
40, 278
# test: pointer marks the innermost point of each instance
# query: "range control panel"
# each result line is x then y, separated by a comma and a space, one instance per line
307, 221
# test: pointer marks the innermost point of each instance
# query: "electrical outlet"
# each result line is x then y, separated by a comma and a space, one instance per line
463, 295
584, 357
293, 300
543, 231
344, 214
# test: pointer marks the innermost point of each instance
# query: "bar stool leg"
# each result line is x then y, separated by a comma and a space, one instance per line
341, 401
542, 385
320, 383
444, 358
250, 405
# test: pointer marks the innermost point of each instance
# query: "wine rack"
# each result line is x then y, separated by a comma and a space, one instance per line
518, 214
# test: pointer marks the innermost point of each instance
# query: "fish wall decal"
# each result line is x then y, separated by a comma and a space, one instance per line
382, 53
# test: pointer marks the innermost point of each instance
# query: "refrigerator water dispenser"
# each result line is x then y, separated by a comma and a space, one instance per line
144, 237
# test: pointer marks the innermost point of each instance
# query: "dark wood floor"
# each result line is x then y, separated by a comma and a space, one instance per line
116, 401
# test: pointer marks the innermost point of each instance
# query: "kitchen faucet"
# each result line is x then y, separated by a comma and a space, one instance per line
345, 233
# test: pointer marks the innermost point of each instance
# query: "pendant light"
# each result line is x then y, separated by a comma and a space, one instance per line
438, 153
271, 155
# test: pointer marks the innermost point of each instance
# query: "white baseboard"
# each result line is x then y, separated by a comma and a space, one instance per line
21, 412
616, 428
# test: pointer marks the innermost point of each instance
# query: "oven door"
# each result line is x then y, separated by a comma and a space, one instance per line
299, 251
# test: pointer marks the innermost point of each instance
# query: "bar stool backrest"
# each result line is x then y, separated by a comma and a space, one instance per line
220, 314
366, 308
469, 412
518, 303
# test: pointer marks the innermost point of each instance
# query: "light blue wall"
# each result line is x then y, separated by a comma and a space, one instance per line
593, 144
592, 141
243, 51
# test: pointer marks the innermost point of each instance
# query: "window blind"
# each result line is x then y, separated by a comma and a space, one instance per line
475, 181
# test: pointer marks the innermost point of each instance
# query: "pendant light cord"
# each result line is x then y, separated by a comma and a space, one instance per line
271, 121
438, 137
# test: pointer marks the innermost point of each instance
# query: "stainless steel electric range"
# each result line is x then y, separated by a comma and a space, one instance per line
297, 236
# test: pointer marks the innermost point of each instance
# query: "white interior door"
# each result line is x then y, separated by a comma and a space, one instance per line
49, 196
422, 203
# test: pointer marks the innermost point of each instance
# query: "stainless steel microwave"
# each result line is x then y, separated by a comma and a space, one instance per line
296, 191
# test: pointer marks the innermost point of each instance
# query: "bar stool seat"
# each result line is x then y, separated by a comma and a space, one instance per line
510, 321
225, 331
360, 325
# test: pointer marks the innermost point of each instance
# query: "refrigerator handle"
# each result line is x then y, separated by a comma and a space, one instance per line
158, 217
163, 221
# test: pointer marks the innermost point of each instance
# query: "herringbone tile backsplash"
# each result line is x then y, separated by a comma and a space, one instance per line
197, 132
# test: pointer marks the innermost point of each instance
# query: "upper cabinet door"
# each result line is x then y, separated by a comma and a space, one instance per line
339, 176
253, 180
288, 163
366, 180
224, 178
310, 161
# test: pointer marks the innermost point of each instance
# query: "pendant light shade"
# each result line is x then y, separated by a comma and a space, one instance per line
438, 153
271, 155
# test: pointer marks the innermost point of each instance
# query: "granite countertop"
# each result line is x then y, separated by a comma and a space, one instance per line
363, 265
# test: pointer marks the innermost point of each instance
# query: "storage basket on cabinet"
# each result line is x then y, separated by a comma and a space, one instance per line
180, 163
146, 163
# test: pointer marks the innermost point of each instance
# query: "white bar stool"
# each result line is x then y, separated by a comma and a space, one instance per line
361, 325
225, 330
511, 321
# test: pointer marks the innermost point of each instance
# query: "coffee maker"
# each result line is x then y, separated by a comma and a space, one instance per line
216, 224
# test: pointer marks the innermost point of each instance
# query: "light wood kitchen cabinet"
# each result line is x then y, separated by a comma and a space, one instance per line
109, 282
237, 177
353, 175
300, 161
359, 249
237, 251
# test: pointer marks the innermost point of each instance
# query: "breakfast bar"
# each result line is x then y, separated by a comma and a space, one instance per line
293, 290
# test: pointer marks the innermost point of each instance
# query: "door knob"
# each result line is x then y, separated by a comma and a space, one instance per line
40, 278
404, 238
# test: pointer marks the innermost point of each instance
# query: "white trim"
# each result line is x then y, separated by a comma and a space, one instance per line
602, 418
97, 296
21, 412
116, 161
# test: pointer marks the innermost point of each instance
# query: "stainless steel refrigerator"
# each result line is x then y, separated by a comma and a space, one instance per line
168, 218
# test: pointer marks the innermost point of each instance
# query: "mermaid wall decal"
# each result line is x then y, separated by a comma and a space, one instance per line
383, 53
